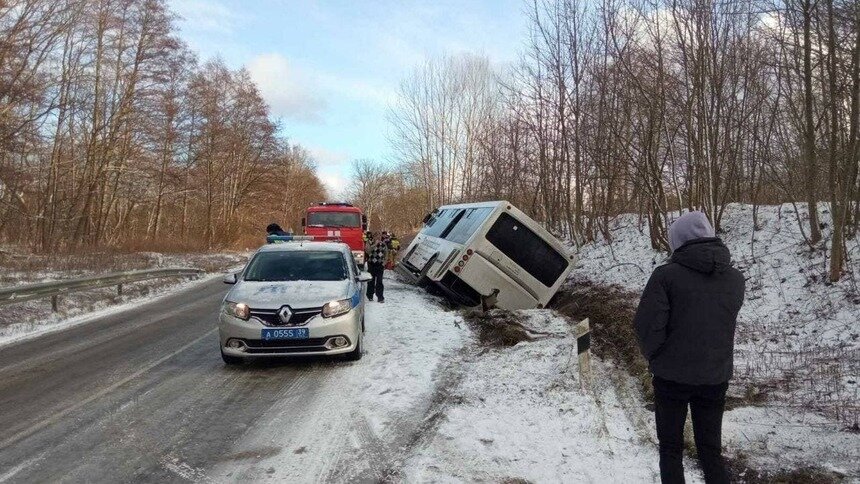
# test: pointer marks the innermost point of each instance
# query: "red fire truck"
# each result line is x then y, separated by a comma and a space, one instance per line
338, 220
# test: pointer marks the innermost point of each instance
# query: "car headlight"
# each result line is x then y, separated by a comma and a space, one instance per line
237, 310
336, 308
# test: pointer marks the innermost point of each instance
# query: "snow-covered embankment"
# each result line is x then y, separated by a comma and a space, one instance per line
797, 356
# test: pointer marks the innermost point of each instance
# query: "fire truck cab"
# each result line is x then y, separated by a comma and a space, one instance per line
338, 220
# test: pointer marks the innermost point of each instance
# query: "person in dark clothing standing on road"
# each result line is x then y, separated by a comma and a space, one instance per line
685, 325
377, 251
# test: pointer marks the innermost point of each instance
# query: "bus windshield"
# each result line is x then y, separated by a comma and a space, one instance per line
470, 220
439, 223
457, 224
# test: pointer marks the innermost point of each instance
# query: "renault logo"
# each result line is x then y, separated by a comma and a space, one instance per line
284, 314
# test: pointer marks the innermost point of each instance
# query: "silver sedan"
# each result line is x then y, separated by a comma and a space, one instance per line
294, 299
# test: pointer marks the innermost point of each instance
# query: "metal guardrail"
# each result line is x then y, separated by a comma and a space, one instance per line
11, 295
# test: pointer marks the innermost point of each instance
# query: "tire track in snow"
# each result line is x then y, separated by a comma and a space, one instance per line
359, 421
412, 429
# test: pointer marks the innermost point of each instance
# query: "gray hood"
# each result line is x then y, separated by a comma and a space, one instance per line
296, 294
690, 226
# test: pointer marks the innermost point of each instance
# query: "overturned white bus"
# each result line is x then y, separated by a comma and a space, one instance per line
487, 253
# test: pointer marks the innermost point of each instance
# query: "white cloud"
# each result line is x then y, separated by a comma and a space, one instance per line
326, 158
209, 16
288, 89
357, 89
332, 169
335, 183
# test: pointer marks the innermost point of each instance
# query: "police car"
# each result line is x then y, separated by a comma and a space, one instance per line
294, 298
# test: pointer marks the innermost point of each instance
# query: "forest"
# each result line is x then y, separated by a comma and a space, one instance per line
114, 133
644, 106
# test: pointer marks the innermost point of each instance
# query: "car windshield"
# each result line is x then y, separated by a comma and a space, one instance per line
334, 219
299, 265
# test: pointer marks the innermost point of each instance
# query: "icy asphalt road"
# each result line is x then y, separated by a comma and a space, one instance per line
143, 395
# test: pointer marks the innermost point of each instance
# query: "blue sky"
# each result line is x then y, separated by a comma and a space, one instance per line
329, 69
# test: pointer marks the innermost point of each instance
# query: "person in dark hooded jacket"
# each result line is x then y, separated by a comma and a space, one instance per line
685, 324
275, 229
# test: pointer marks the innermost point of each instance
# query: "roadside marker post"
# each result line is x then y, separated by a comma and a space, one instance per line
583, 348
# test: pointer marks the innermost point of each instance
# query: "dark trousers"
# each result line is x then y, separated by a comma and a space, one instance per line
375, 284
707, 403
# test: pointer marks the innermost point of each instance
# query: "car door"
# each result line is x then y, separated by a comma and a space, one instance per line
355, 285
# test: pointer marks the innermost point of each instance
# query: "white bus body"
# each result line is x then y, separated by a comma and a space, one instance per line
488, 252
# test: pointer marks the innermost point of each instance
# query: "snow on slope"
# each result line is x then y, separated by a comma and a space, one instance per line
798, 337
520, 414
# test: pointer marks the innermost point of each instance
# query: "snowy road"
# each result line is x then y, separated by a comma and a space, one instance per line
143, 395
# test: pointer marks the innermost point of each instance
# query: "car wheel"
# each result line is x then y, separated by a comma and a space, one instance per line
232, 360
362, 324
356, 354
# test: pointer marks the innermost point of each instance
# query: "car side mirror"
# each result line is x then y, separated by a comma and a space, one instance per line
303, 221
230, 279
364, 277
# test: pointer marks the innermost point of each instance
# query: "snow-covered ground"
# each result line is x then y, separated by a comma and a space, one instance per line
428, 403
798, 337
83, 313
21, 267
363, 416
520, 415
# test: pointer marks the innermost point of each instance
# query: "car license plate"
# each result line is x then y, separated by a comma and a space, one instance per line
269, 334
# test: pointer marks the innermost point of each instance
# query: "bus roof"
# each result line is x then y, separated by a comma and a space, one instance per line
476, 205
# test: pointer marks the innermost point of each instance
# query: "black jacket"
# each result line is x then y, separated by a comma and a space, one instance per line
686, 318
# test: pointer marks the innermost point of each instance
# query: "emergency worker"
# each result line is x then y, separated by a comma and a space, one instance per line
393, 246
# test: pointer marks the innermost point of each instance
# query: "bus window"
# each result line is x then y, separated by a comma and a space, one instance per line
527, 250
433, 227
468, 224
437, 225
453, 223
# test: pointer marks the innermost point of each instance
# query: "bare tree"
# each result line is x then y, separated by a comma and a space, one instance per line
655, 106
111, 133
369, 187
